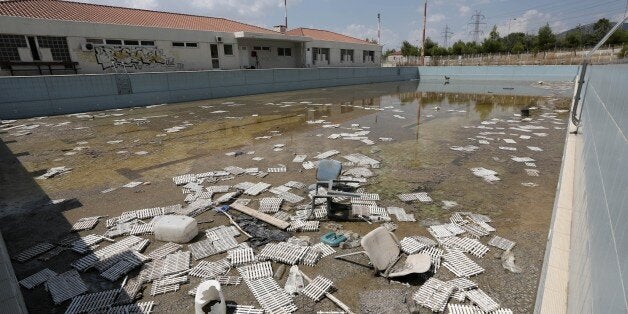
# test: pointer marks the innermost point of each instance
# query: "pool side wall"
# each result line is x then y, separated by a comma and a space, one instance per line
598, 262
31, 96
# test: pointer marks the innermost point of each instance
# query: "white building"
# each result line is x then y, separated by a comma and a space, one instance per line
59, 37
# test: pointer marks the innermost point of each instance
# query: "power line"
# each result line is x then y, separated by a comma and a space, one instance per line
446, 35
477, 20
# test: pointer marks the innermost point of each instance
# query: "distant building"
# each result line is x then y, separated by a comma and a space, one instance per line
43, 36
396, 58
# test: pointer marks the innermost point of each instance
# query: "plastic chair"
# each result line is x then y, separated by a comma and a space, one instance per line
328, 185
383, 249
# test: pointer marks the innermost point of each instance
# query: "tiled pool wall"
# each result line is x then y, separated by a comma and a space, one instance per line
598, 262
24, 97
50, 95
492, 73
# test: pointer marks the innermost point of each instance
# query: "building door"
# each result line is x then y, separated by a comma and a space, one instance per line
308, 57
244, 57
214, 55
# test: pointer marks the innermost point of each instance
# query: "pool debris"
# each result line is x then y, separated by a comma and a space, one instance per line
488, 175
54, 171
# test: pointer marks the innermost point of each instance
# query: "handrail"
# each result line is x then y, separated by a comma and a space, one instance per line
575, 117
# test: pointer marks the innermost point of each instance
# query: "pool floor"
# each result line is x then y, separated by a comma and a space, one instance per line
419, 136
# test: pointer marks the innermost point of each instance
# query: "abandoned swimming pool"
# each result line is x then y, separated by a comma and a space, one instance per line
426, 137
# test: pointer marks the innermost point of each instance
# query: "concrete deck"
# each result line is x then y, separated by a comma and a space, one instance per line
555, 286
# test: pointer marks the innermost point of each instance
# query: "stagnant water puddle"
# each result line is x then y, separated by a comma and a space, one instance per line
426, 141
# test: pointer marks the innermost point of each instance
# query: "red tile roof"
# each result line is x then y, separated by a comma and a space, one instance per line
103, 14
319, 34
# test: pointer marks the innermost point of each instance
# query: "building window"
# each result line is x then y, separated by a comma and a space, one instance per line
320, 55
346, 55
113, 41
266, 48
368, 56
9, 45
58, 47
284, 52
97, 41
132, 42
191, 45
147, 43
257, 48
228, 50
178, 44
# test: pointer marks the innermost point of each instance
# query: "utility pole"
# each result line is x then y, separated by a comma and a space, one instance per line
285, 5
379, 22
477, 20
424, 21
446, 35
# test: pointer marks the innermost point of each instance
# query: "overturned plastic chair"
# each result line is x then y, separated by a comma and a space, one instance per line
383, 249
328, 185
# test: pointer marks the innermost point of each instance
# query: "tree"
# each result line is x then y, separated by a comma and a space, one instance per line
458, 48
429, 44
574, 39
600, 28
546, 40
517, 48
493, 43
408, 49
389, 52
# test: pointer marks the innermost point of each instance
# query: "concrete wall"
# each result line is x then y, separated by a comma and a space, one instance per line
513, 73
52, 95
598, 263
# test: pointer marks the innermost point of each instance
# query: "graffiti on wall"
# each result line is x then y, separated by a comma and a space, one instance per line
132, 57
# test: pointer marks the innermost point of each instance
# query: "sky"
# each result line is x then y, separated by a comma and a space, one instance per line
400, 19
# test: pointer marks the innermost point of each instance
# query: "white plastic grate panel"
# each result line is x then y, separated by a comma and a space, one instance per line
435, 254
420, 196
299, 158
37, 278
257, 188
467, 245
229, 280
239, 257
164, 250
327, 154
202, 249
270, 204
66, 286
433, 294
92, 302
501, 243
256, 271
33, 251
411, 246
157, 290
283, 252
206, 269
137, 308
481, 299
85, 223
461, 265
325, 249
317, 288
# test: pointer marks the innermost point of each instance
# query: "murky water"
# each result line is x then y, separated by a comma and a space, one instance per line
412, 130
